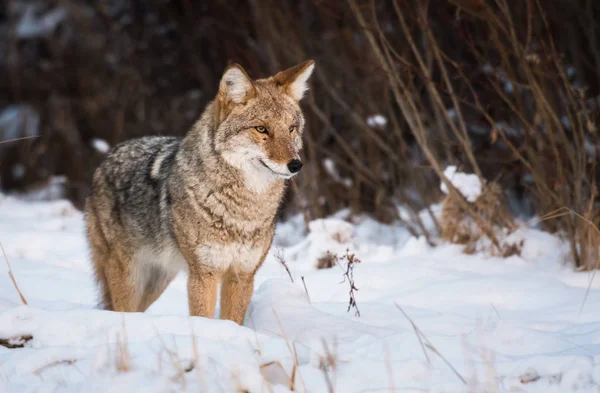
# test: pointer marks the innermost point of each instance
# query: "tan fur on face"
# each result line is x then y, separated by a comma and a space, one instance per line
267, 104
205, 204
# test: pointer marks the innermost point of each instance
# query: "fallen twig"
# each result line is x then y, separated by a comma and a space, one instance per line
12, 277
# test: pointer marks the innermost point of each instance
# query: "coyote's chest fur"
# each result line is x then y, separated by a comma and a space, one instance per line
229, 225
205, 203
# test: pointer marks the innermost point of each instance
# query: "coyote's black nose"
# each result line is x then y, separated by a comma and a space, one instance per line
295, 165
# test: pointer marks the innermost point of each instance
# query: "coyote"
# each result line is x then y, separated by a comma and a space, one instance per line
205, 203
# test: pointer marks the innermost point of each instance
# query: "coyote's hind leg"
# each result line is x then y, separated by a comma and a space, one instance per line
125, 291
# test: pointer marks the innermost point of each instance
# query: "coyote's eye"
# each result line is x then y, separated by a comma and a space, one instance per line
292, 129
262, 129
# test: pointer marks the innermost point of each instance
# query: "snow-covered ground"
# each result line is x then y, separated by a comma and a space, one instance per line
481, 323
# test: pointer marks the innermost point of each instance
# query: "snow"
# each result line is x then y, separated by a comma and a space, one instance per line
32, 25
468, 184
100, 145
18, 171
377, 121
52, 188
500, 325
331, 169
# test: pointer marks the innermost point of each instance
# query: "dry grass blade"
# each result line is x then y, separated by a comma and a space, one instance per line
123, 356
281, 260
305, 289
557, 213
294, 370
427, 344
454, 370
175, 360
19, 139
66, 362
195, 352
12, 277
417, 332
329, 361
292, 349
587, 291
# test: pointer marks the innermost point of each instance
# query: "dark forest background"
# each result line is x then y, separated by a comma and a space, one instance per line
506, 89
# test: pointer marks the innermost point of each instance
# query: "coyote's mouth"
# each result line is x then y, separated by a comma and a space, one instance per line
284, 175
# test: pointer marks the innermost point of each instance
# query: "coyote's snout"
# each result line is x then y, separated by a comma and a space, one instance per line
205, 204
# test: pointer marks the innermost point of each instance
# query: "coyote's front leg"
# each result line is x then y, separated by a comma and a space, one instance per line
202, 291
236, 291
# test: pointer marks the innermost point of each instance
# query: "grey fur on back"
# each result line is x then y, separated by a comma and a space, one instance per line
137, 171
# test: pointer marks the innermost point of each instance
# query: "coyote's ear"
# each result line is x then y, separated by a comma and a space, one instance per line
236, 86
294, 79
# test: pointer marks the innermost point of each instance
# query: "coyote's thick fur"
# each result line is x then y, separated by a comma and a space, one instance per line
205, 204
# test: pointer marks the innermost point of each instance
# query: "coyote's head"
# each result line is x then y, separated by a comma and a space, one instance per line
260, 123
